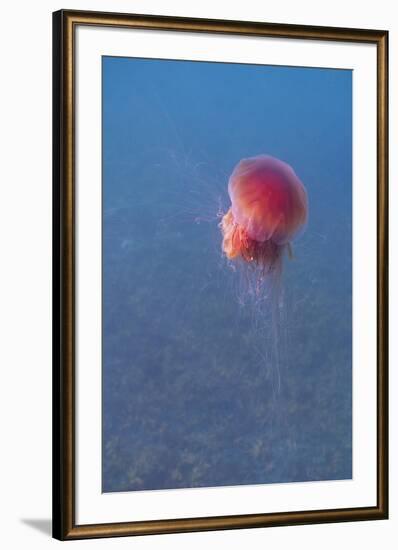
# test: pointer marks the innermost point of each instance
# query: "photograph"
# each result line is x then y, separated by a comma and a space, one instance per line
198, 283
226, 274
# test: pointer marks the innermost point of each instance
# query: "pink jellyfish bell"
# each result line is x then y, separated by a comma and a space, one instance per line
268, 208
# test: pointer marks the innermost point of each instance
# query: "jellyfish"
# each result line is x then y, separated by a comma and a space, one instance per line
269, 208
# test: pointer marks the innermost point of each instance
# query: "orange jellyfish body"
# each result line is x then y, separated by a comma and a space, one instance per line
268, 208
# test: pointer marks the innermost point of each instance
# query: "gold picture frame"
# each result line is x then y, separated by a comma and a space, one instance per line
64, 314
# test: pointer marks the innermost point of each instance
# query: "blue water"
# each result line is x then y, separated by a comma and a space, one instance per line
204, 384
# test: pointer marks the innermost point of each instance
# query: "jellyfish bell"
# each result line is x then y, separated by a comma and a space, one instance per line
268, 208
268, 199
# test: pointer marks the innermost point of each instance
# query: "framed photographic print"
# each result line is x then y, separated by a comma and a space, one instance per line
220, 275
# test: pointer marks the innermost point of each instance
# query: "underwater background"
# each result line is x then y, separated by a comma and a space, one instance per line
204, 382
